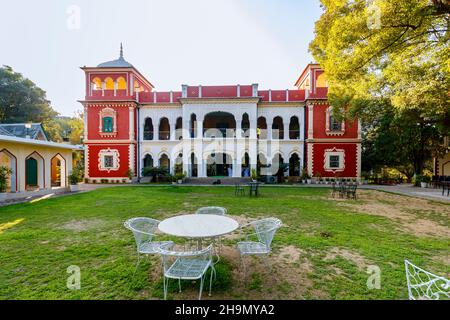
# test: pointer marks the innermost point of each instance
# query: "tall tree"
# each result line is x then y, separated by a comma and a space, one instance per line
21, 100
391, 56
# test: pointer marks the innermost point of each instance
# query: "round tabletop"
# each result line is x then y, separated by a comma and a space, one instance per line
198, 226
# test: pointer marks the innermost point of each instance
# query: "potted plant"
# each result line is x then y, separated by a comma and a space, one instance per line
254, 175
423, 181
179, 178
130, 174
5, 172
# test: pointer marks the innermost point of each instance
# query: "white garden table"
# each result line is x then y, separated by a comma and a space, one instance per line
198, 226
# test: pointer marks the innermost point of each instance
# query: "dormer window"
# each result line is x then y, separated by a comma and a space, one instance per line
108, 123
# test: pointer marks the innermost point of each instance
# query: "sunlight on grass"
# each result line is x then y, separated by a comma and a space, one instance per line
47, 196
8, 225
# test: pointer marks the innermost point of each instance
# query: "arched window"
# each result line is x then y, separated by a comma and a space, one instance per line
109, 83
245, 126
121, 83
148, 129
96, 84
108, 125
193, 126
278, 128
164, 129
262, 128
148, 161
179, 129
294, 129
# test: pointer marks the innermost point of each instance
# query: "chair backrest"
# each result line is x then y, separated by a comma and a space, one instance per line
169, 256
423, 285
143, 229
219, 211
265, 230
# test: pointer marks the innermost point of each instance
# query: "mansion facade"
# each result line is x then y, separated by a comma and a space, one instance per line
213, 131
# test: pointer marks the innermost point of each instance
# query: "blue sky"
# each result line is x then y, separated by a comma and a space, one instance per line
172, 42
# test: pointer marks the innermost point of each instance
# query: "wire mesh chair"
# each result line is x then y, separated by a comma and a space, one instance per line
190, 265
212, 210
264, 232
423, 285
215, 211
144, 230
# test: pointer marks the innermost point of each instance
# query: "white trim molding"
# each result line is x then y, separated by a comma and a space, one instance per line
108, 112
116, 159
334, 152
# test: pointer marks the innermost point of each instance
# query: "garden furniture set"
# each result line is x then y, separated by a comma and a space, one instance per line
206, 225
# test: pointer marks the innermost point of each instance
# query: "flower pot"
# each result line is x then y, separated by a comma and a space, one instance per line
309, 181
423, 185
174, 183
74, 188
180, 181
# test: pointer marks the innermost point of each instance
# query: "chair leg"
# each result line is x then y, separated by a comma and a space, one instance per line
201, 287
179, 285
243, 267
211, 280
267, 263
166, 284
137, 264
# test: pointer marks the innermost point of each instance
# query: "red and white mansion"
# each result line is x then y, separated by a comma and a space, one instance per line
213, 130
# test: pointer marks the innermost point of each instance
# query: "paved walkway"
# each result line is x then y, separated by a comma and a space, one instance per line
410, 190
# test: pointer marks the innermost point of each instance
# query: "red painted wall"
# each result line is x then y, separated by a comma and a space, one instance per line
319, 126
94, 171
123, 123
350, 159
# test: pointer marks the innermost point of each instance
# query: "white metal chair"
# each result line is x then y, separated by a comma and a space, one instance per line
423, 285
144, 230
215, 211
191, 265
264, 232
212, 210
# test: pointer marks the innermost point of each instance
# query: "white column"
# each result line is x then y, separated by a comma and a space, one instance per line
253, 127
156, 128
310, 121
238, 126
173, 125
286, 123
131, 116
237, 165
269, 122
200, 127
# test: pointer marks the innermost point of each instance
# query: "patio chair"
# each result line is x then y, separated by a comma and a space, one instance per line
335, 189
144, 230
239, 190
216, 211
423, 285
351, 191
264, 232
219, 211
190, 265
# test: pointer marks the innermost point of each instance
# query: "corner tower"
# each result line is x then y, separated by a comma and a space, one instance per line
110, 117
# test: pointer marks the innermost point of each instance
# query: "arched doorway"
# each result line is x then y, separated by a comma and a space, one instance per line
164, 162
8, 160
294, 165
58, 171
219, 165
178, 169
246, 172
194, 166
262, 165
148, 161
34, 172
219, 125
278, 167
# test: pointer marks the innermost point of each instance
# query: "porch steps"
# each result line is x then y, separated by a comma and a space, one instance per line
210, 181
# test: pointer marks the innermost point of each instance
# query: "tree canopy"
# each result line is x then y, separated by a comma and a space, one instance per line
373, 49
388, 63
21, 100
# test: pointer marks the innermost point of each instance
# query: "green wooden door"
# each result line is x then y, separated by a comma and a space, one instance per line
32, 172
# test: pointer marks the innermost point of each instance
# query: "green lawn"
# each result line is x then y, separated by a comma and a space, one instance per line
322, 251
